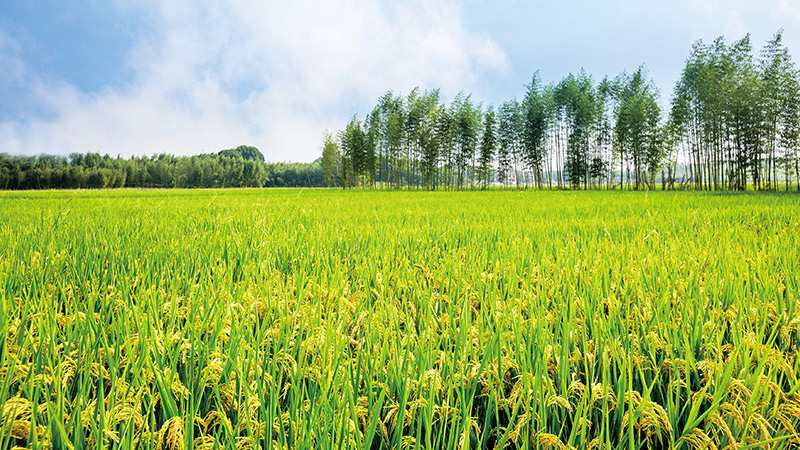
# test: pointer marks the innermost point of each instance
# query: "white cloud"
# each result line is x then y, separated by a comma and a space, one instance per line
270, 74
736, 18
791, 8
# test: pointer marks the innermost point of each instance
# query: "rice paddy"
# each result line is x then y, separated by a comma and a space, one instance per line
320, 319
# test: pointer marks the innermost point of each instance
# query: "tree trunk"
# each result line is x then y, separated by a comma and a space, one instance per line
797, 171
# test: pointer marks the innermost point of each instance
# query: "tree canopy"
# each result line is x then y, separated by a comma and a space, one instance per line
243, 151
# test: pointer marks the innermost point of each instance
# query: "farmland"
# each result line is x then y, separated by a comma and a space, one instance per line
327, 319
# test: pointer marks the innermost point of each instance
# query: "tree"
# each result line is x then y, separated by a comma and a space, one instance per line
575, 99
780, 89
638, 132
790, 115
330, 158
244, 152
428, 138
509, 134
422, 137
352, 142
392, 136
445, 137
467, 118
536, 120
488, 146
744, 115
372, 144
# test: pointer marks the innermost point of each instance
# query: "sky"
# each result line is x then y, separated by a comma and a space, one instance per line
141, 77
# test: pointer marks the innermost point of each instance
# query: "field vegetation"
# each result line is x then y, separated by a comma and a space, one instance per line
328, 319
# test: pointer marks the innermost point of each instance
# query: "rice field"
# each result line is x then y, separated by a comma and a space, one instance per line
321, 319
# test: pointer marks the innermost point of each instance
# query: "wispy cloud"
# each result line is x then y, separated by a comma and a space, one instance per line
270, 74
791, 8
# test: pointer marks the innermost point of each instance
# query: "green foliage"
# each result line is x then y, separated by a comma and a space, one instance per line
93, 171
330, 159
288, 174
576, 106
638, 133
731, 116
319, 319
425, 111
243, 151
536, 123
737, 115
488, 146
353, 142
466, 123
509, 135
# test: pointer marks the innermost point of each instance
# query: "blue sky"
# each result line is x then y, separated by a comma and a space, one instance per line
150, 76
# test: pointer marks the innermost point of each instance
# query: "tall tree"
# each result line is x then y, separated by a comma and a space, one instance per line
600, 164
330, 158
353, 144
638, 131
467, 118
576, 101
488, 146
445, 137
536, 121
509, 135
790, 115
423, 112
372, 135
780, 89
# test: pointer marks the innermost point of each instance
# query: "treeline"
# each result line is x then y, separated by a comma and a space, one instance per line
734, 121
243, 166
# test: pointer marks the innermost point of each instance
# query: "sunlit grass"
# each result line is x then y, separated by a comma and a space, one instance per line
331, 320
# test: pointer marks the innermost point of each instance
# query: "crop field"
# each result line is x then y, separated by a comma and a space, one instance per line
322, 319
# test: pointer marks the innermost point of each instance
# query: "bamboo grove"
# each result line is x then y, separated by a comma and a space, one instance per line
733, 124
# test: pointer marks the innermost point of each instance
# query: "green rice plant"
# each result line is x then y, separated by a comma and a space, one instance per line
317, 319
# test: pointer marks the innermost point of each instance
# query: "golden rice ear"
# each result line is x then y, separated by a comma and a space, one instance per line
111, 435
697, 439
736, 387
204, 443
663, 418
16, 408
560, 401
785, 421
20, 429
719, 423
576, 388
173, 435
158, 438
762, 426
550, 441
731, 412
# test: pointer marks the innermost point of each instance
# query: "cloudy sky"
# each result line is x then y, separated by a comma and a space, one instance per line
185, 77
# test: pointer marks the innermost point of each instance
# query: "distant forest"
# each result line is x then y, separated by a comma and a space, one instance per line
243, 166
733, 124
